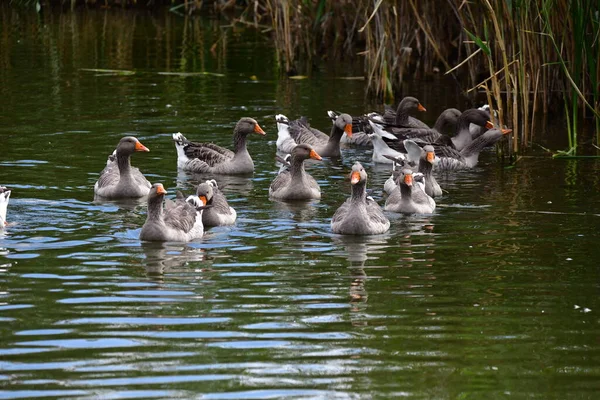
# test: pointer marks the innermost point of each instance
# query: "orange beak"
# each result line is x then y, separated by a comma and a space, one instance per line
203, 200
161, 190
420, 107
348, 130
506, 131
489, 125
408, 179
140, 147
355, 177
258, 129
313, 154
430, 156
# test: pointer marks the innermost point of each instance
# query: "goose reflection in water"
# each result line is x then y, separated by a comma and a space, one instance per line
161, 257
359, 249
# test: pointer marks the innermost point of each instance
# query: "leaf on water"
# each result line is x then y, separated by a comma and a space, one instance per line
299, 77
184, 74
107, 72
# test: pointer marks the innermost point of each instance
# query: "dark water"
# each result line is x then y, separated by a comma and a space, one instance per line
493, 296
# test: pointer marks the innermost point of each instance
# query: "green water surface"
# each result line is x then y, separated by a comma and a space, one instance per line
493, 296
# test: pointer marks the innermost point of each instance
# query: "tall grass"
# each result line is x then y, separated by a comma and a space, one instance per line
530, 57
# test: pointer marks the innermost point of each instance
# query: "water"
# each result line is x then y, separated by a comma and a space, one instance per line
493, 296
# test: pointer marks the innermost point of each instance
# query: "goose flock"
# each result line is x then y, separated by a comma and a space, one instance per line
398, 138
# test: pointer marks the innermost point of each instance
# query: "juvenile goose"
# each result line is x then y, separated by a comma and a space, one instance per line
119, 180
294, 183
4, 197
426, 162
208, 157
292, 133
179, 221
408, 197
451, 159
220, 213
401, 117
359, 215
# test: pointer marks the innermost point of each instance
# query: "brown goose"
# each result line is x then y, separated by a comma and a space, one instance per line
408, 197
359, 215
292, 133
401, 117
208, 157
180, 221
220, 213
293, 182
119, 180
4, 197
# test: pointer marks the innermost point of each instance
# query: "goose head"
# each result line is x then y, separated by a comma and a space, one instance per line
429, 154
358, 174
128, 145
205, 192
305, 151
410, 104
343, 122
247, 125
477, 117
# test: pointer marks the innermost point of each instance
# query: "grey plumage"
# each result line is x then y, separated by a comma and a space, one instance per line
293, 182
119, 180
208, 157
359, 215
178, 222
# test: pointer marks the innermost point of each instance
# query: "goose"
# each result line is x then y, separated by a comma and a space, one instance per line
451, 159
118, 179
382, 152
220, 213
4, 197
477, 130
409, 197
294, 183
178, 221
360, 131
401, 117
208, 157
461, 138
292, 133
425, 166
359, 215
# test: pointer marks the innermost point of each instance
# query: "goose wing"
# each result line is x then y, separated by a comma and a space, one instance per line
301, 134
219, 202
182, 216
109, 176
281, 180
448, 152
375, 213
210, 153
341, 213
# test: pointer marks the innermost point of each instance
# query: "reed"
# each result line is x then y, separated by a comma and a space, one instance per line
526, 56
529, 57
